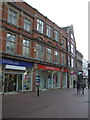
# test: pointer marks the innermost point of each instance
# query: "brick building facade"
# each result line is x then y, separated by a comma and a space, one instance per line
33, 48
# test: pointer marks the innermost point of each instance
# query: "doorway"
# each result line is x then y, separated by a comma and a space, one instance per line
12, 82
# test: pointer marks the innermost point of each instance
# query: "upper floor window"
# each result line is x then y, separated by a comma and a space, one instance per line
40, 26
12, 17
72, 36
49, 31
63, 59
10, 43
72, 48
56, 57
68, 60
27, 24
26, 48
56, 35
72, 62
68, 46
39, 52
63, 43
48, 55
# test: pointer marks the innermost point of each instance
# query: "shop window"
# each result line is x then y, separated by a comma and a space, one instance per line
27, 82
56, 80
39, 52
48, 55
10, 82
64, 80
27, 24
56, 57
49, 31
26, 48
12, 17
10, 45
40, 26
56, 35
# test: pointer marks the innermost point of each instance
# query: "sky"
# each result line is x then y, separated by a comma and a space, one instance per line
65, 13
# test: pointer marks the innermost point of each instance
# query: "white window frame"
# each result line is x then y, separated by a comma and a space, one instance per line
10, 43
56, 57
26, 48
12, 17
56, 35
49, 31
27, 24
40, 26
39, 52
48, 55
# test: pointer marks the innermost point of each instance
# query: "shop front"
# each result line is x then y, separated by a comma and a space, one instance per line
16, 75
49, 77
73, 77
64, 77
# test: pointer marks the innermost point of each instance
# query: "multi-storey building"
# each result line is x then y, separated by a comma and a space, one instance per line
79, 65
71, 55
33, 48
79, 61
85, 70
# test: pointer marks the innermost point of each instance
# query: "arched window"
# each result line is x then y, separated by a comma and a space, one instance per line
50, 43
39, 38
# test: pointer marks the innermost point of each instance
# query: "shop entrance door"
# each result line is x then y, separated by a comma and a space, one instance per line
10, 82
71, 81
19, 82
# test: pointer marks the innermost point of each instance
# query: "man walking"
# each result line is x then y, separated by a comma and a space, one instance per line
78, 87
83, 86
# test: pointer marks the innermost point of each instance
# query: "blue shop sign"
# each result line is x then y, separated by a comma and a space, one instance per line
15, 62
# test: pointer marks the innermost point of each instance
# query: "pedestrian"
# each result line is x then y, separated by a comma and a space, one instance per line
83, 87
74, 83
78, 87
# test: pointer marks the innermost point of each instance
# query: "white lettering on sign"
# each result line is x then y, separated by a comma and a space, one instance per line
15, 67
49, 67
10, 62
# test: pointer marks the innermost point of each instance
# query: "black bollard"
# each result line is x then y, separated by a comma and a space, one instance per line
37, 90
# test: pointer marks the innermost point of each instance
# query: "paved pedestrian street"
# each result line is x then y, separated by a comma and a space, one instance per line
59, 103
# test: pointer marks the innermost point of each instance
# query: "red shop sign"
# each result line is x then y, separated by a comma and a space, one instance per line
45, 67
65, 70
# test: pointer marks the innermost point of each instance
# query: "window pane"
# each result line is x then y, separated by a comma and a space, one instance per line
49, 55
39, 52
12, 17
10, 46
56, 35
40, 26
27, 24
26, 48
8, 36
49, 31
